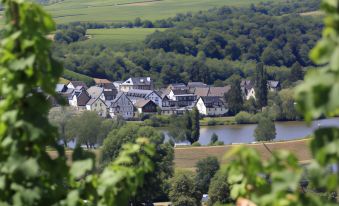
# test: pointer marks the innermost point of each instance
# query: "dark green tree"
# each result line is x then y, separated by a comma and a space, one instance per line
261, 90
234, 97
154, 182
214, 138
205, 171
265, 130
219, 190
296, 72
195, 116
183, 191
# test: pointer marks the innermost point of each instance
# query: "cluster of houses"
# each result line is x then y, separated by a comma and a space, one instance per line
137, 95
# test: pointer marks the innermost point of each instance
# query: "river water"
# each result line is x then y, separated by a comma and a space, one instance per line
232, 134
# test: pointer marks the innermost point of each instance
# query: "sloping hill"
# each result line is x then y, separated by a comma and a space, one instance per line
127, 10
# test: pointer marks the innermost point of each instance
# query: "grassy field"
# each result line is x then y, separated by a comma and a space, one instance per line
186, 157
128, 10
126, 35
211, 121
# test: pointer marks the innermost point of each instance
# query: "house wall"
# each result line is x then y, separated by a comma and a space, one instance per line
73, 102
218, 111
250, 94
98, 106
155, 98
201, 107
125, 109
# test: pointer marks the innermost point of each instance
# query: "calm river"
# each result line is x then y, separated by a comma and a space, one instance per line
244, 133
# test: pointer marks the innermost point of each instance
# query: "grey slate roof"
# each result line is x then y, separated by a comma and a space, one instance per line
95, 91
138, 81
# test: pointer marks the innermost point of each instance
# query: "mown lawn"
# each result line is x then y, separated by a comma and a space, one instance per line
127, 10
120, 35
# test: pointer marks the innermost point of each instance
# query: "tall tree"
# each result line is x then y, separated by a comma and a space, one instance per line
206, 169
265, 130
234, 97
219, 190
60, 117
85, 128
195, 116
296, 72
183, 191
261, 90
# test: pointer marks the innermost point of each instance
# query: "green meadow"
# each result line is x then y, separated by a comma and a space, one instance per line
126, 35
127, 10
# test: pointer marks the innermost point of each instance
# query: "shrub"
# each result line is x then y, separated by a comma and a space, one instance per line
196, 144
244, 118
211, 122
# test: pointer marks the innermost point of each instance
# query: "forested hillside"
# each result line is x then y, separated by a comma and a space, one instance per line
208, 46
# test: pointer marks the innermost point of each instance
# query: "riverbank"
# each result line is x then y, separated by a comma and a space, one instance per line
187, 157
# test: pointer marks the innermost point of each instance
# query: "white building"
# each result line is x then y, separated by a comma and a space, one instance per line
211, 106
145, 83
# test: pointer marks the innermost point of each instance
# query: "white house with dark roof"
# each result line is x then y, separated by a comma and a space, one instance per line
182, 97
137, 94
211, 106
79, 98
75, 84
146, 106
97, 105
121, 106
145, 83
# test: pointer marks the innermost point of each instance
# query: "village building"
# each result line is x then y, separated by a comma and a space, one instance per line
117, 85
247, 88
95, 91
121, 106
97, 105
146, 106
60, 88
211, 106
219, 91
79, 98
137, 94
182, 97
273, 86
75, 84
145, 83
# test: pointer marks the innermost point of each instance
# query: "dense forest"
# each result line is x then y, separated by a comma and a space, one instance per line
208, 46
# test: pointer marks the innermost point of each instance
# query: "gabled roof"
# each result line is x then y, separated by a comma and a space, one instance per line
78, 83
91, 101
60, 88
95, 91
247, 84
181, 91
197, 85
101, 81
110, 95
273, 84
108, 86
201, 92
83, 98
138, 81
212, 101
114, 103
143, 102
219, 91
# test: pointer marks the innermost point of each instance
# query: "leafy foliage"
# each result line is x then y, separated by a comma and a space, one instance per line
183, 191
277, 180
205, 169
265, 131
219, 191
28, 175
154, 185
